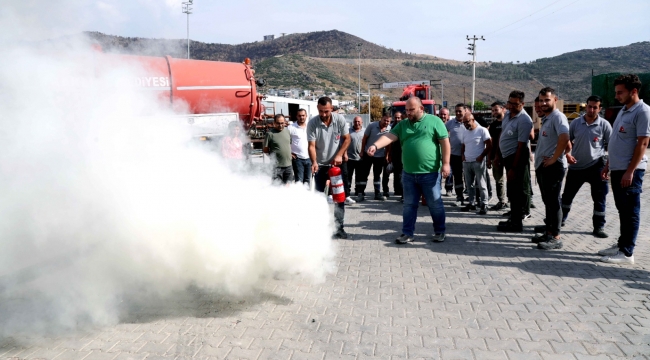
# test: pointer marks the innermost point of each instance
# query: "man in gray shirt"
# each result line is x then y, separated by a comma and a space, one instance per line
377, 161
627, 162
328, 138
590, 135
550, 167
513, 153
354, 153
455, 128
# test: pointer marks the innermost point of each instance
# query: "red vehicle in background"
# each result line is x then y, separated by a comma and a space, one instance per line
421, 91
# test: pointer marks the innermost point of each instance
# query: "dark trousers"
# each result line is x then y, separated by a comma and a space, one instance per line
456, 163
397, 178
282, 174
599, 189
301, 170
500, 180
378, 165
345, 175
549, 180
354, 166
628, 203
339, 208
517, 189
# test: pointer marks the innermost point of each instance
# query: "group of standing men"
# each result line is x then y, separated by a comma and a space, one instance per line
425, 148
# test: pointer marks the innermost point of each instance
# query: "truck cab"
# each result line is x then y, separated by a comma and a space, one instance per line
421, 91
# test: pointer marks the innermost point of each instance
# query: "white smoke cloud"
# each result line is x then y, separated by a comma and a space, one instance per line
104, 199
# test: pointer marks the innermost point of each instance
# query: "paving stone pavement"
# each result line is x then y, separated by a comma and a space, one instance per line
479, 295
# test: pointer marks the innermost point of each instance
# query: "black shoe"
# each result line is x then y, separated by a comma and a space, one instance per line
532, 206
504, 223
340, 234
510, 227
562, 224
404, 239
550, 244
386, 195
507, 214
483, 210
600, 233
540, 229
525, 217
469, 207
401, 199
498, 206
379, 197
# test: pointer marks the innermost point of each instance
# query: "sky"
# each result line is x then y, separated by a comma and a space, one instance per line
515, 30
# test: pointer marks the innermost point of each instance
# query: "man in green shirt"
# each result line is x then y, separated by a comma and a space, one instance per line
278, 142
425, 152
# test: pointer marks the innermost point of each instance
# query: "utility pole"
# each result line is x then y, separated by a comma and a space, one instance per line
472, 48
188, 10
359, 92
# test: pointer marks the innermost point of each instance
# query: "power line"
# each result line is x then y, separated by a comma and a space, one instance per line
569, 4
525, 17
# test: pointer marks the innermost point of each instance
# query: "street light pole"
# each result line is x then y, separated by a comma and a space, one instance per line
472, 47
359, 92
188, 10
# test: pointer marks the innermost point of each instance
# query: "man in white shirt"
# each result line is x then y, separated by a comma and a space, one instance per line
475, 146
300, 149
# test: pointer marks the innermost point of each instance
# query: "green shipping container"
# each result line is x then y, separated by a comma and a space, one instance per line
603, 86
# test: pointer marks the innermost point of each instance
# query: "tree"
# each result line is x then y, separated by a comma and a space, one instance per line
479, 105
377, 107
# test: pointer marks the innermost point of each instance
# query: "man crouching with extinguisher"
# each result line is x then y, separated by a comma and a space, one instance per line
328, 138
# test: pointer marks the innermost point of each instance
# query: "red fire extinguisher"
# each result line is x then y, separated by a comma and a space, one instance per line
336, 184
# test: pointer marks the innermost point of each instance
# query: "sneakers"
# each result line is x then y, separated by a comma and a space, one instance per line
525, 217
349, 201
438, 237
469, 207
483, 210
386, 195
499, 206
329, 199
550, 244
340, 234
460, 202
380, 197
404, 239
600, 233
610, 251
448, 193
619, 258
361, 197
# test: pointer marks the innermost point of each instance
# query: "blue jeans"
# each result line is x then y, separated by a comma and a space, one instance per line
301, 170
628, 203
416, 185
599, 190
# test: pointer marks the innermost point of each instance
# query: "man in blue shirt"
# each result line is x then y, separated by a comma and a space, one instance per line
627, 162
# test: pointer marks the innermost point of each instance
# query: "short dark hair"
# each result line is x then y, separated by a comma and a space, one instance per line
301, 110
324, 101
595, 98
397, 112
277, 117
630, 81
537, 99
462, 105
498, 103
547, 90
517, 95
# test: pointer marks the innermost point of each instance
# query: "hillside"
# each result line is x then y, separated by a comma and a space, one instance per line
329, 44
327, 60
